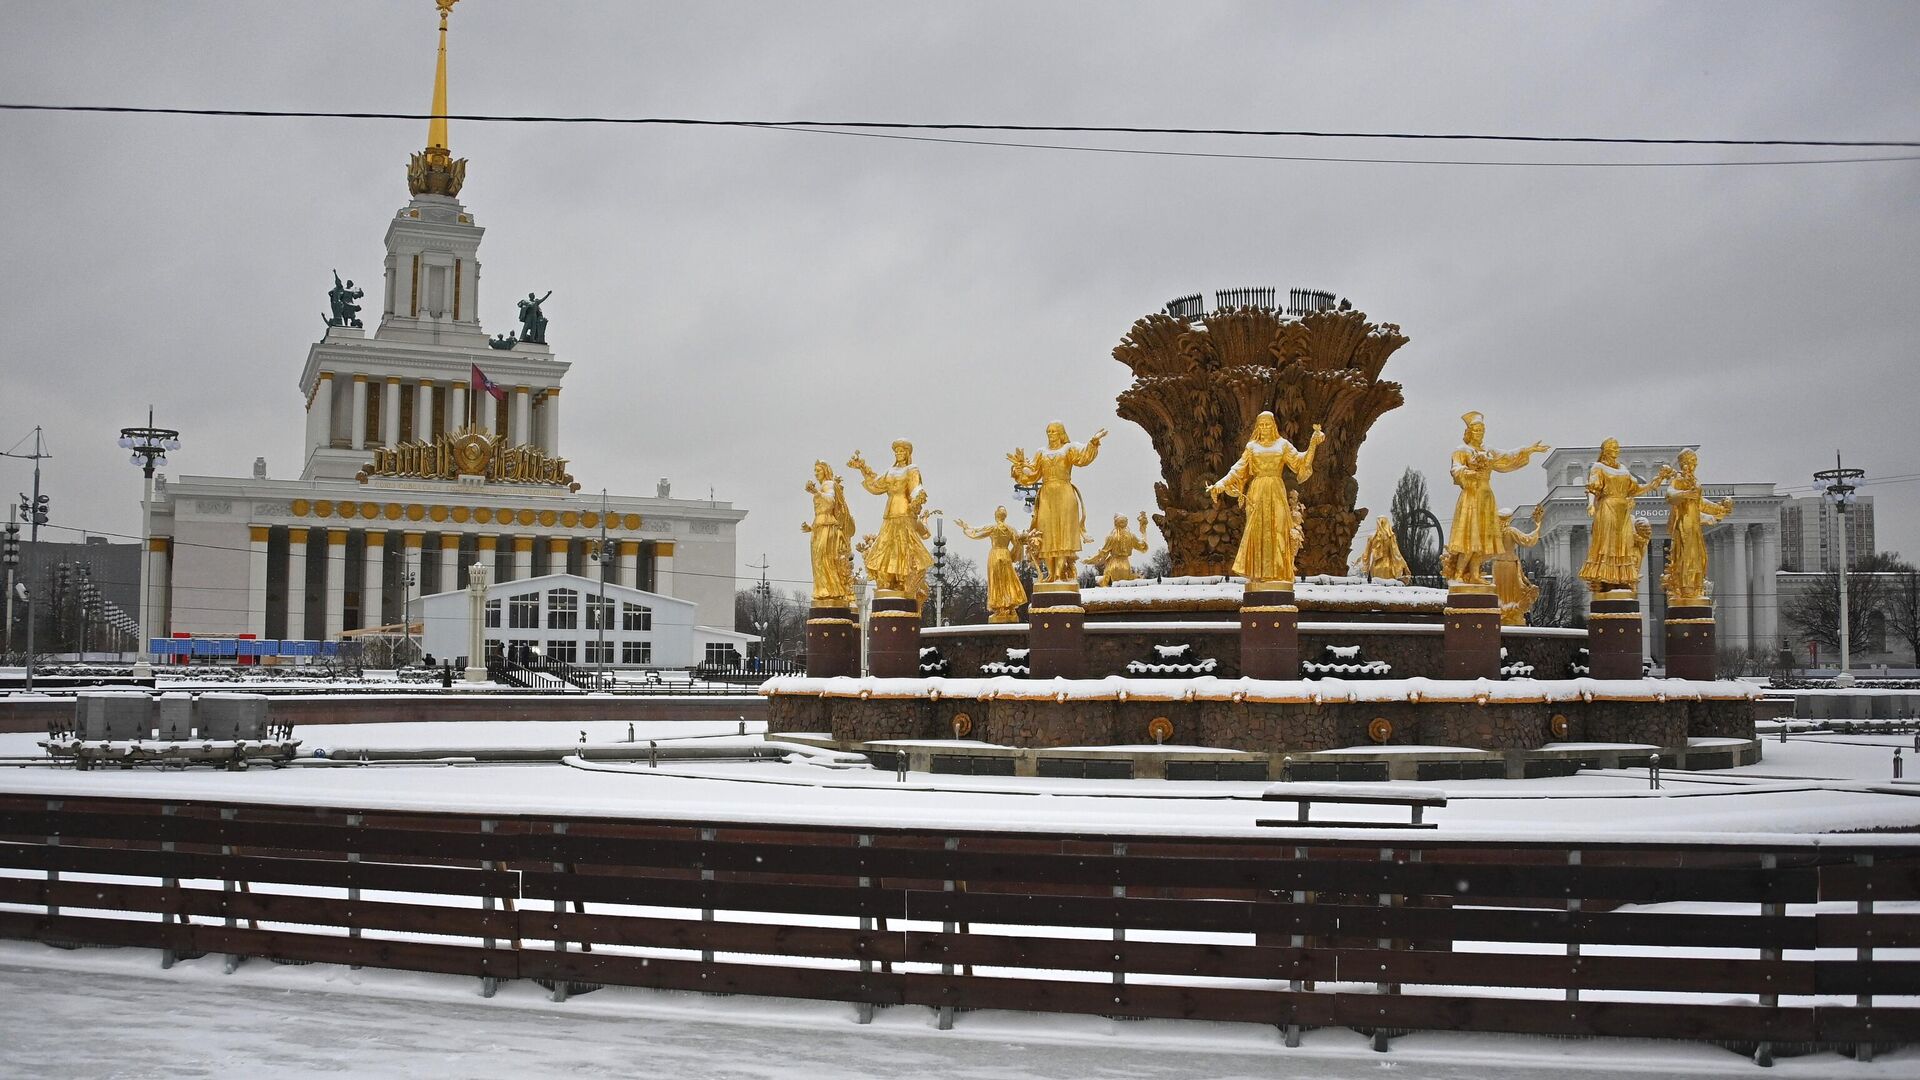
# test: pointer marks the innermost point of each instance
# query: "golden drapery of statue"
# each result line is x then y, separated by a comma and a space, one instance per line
896, 557
1114, 560
1510, 582
1689, 513
1273, 532
469, 452
1380, 559
1059, 516
1475, 536
831, 546
1612, 562
1005, 594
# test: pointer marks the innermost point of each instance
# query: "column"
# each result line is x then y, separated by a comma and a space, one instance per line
550, 431
357, 423
627, 569
373, 608
335, 569
1739, 591
663, 567
557, 549
456, 406
522, 558
390, 414
296, 584
484, 551
320, 413
423, 429
414, 542
450, 578
154, 618
257, 579
1765, 611
521, 417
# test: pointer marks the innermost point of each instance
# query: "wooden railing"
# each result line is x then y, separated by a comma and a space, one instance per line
1384, 935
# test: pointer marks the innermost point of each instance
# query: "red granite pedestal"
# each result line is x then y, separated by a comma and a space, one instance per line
1056, 632
1613, 635
1690, 642
1470, 637
833, 643
1269, 631
893, 636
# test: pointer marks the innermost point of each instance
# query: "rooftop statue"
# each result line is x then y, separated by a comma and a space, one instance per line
533, 324
897, 558
1059, 517
1612, 562
1475, 536
341, 298
502, 341
1689, 513
1114, 560
1271, 540
1005, 594
832, 539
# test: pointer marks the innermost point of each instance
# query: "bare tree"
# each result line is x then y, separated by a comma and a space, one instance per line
1562, 601
1159, 564
1816, 612
1902, 605
1419, 544
963, 593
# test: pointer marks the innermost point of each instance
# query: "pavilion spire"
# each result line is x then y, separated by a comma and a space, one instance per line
435, 171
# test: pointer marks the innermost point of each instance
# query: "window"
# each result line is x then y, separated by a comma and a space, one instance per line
493, 614
635, 617
598, 652
722, 654
523, 611
599, 613
563, 609
565, 652
636, 652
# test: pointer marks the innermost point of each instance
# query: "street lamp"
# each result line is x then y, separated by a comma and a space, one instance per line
1840, 487
148, 448
34, 512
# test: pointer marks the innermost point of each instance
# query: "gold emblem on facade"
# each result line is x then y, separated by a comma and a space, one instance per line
470, 453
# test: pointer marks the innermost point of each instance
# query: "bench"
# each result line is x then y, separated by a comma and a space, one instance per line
1416, 800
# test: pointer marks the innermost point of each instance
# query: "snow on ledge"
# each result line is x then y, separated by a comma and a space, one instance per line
1265, 691
1319, 592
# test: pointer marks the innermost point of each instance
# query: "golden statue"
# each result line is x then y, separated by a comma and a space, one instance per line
1114, 560
1273, 531
832, 532
897, 557
1381, 558
1689, 513
1510, 582
1004, 591
1612, 562
1059, 517
1475, 536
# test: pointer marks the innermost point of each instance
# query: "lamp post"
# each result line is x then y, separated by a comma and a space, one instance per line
600, 556
148, 448
407, 581
10, 557
1840, 487
34, 511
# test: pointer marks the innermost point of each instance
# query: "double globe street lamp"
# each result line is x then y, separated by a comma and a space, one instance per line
148, 446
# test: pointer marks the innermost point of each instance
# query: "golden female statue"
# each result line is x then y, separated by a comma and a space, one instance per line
1381, 558
1272, 534
1510, 583
1114, 560
1611, 560
1059, 518
832, 531
1476, 518
1004, 591
897, 558
1689, 513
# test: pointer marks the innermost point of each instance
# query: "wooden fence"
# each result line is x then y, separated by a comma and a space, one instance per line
1383, 936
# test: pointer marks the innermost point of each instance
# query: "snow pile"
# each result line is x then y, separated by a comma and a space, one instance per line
1322, 592
1267, 691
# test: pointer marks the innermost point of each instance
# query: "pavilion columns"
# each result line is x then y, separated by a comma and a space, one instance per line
1734, 599
335, 570
550, 426
1763, 613
257, 536
449, 565
155, 615
557, 548
320, 412
663, 567
414, 542
373, 579
456, 413
357, 422
520, 433
522, 558
485, 552
296, 584
627, 569
390, 414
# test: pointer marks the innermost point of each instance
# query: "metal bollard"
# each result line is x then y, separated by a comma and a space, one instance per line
1653, 772
1899, 766
1286, 767
653, 754
629, 732
900, 767
743, 725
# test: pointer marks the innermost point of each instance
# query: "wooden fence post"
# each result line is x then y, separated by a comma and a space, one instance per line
1573, 947
706, 913
1119, 941
488, 983
863, 1011
172, 884
946, 1011
353, 894
1299, 941
559, 909
53, 873
227, 887
1864, 1051
1763, 1053
1386, 901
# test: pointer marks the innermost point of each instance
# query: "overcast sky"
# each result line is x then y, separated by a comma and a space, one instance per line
738, 302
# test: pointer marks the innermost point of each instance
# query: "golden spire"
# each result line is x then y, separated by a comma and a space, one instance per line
434, 171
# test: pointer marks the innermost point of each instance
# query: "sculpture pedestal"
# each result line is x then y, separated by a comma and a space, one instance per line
833, 643
1613, 635
893, 636
1056, 631
1470, 637
1269, 631
1690, 642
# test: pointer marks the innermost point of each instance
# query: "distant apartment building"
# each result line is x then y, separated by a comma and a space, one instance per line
1810, 534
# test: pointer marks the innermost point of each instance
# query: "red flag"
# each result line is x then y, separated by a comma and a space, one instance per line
482, 384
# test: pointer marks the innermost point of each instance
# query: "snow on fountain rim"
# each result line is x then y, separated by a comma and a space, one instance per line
1320, 590
1417, 690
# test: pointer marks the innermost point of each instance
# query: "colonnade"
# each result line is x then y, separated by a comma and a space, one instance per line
388, 410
